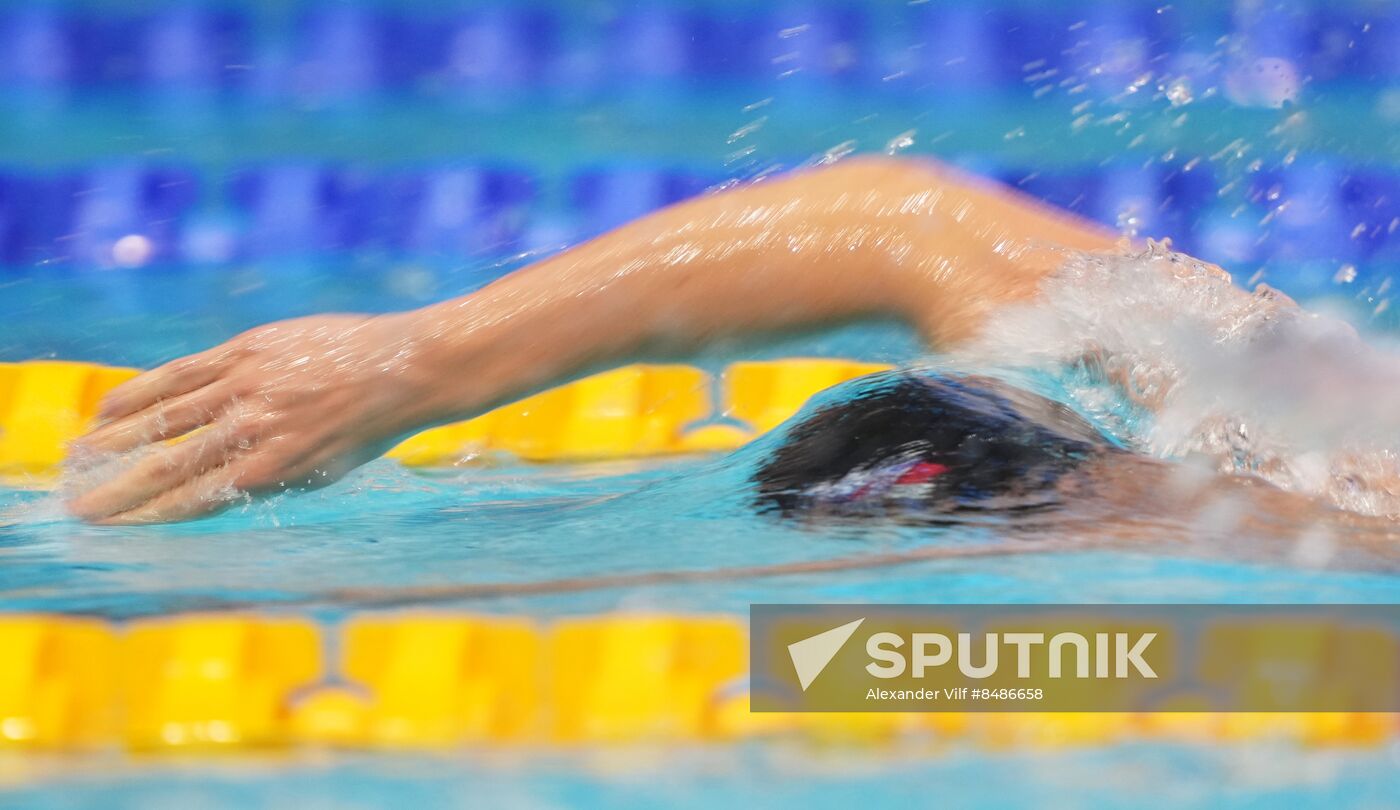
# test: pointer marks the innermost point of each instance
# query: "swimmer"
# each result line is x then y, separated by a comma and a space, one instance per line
297, 404
943, 449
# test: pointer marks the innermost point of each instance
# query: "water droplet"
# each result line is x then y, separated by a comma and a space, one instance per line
1179, 92
900, 142
836, 152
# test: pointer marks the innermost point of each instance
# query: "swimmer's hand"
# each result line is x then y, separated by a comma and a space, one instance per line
294, 404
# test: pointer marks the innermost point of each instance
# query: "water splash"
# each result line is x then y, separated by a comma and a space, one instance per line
1177, 361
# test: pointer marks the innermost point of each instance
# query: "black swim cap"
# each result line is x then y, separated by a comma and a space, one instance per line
931, 442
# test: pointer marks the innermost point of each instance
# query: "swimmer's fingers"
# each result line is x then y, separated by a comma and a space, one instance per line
205, 494
162, 419
164, 470
247, 473
172, 379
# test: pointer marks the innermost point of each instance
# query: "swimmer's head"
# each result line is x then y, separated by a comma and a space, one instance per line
927, 443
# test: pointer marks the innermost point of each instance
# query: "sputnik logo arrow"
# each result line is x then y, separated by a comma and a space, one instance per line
811, 655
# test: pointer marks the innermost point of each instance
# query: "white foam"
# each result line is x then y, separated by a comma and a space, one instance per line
1252, 381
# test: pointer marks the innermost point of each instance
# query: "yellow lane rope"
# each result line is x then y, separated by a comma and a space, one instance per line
628, 412
422, 680
425, 680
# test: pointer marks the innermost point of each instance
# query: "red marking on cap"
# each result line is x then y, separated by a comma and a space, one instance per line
921, 472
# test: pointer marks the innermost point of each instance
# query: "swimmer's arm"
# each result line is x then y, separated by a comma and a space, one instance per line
298, 403
869, 237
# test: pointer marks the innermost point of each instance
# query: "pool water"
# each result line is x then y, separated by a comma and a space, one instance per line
499, 521
371, 540
771, 775
259, 171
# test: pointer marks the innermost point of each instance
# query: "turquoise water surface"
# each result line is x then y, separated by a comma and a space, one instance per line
385, 529
260, 171
774, 775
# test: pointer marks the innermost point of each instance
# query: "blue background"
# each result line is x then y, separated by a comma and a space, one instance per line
457, 135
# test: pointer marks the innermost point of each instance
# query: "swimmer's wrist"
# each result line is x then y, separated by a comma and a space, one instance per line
467, 357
